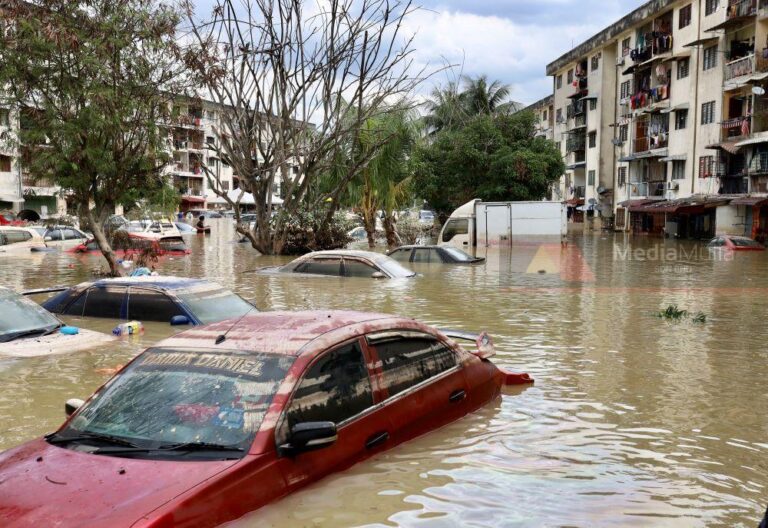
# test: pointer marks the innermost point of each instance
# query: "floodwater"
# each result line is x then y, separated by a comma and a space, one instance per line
633, 420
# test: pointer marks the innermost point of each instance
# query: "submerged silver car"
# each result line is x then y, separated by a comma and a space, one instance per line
345, 263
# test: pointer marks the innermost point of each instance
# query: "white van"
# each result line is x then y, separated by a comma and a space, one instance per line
478, 223
19, 239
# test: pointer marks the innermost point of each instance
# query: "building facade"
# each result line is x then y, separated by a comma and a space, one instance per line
662, 119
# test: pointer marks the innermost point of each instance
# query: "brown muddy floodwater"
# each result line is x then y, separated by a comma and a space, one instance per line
633, 420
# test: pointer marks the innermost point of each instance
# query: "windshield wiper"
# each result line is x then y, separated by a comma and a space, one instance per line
56, 438
199, 446
181, 447
36, 332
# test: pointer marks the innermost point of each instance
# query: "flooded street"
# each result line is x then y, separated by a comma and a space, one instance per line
633, 420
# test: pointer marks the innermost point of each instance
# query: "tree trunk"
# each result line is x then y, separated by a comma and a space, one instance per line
369, 221
101, 239
389, 229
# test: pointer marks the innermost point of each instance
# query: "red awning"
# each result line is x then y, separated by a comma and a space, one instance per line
750, 200
575, 201
192, 199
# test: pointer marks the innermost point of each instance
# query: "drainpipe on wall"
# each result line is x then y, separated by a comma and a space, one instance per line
696, 105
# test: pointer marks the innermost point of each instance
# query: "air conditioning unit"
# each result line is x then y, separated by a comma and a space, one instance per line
672, 186
620, 61
617, 142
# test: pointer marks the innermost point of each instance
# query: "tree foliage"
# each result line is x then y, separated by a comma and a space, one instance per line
494, 157
92, 81
298, 80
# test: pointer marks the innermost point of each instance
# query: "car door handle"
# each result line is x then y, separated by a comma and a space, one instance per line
457, 396
376, 439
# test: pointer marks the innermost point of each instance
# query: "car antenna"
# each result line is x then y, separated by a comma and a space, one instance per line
220, 339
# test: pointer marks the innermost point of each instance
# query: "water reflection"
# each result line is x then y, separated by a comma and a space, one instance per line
633, 421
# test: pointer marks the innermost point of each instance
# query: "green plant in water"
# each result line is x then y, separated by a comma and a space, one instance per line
672, 312
700, 317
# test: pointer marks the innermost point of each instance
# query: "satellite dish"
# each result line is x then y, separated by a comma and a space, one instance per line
591, 201
758, 90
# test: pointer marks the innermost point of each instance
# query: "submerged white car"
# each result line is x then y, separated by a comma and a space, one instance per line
16, 240
28, 330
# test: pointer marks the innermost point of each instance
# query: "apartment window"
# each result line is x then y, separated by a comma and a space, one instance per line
684, 17
593, 104
225, 186
595, 62
559, 81
559, 115
678, 170
626, 89
592, 139
683, 66
622, 176
559, 146
4, 117
625, 46
710, 7
5, 164
708, 113
681, 119
544, 116
706, 164
710, 58
591, 178
570, 76
623, 133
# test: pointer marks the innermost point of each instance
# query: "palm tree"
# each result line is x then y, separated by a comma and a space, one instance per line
384, 184
481, 97
445, 109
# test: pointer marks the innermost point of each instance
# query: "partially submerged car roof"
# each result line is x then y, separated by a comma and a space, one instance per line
288, 333
159, 282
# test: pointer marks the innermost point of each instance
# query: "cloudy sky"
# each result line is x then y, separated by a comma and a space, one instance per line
509, 40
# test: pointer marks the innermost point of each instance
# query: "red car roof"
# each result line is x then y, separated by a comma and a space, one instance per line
287, 332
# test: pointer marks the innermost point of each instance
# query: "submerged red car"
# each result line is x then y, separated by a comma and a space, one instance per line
219, 420
735, 243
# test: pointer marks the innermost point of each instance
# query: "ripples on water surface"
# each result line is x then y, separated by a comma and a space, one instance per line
633, 421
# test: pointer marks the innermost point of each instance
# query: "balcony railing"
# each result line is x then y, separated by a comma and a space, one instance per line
651, 143
578, 192
759, 163
741, 8
575, 144
28, 181
739, 67
736, 126
580, 121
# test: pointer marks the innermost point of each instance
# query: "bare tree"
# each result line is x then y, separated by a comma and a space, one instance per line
296, 80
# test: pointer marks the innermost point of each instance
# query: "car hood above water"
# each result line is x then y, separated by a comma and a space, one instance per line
45, 485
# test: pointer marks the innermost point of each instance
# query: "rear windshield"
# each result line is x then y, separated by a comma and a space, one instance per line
458, 254
211, 305
394, 268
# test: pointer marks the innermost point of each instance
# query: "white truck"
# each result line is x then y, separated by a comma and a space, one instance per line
478, 223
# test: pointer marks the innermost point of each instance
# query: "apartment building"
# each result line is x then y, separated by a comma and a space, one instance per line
662, 119
192, 134
545, 119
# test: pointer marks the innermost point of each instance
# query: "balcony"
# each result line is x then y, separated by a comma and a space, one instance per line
580, 87
740, 67
736, 127
651, 143
580, 121
646, 189
578, 192
577, 143
28, 181
741, 8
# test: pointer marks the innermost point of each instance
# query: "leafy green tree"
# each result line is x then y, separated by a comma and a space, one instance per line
483, 97
492, 157
93, 81
384, 183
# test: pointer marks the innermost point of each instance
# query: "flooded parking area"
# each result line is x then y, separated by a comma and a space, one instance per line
634, 420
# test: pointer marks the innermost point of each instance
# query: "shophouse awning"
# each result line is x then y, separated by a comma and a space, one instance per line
754, 201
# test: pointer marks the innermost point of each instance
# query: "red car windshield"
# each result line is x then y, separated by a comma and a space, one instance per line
169, 399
